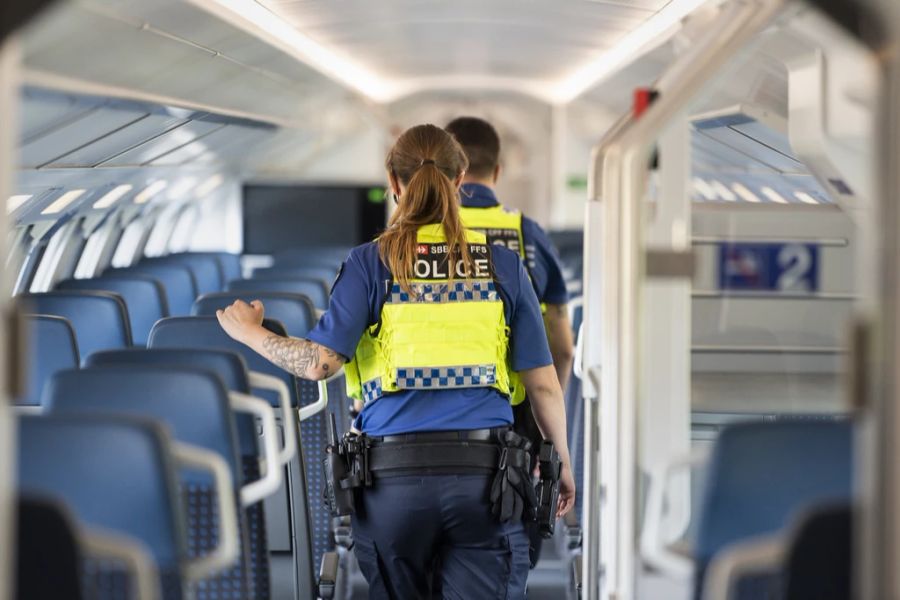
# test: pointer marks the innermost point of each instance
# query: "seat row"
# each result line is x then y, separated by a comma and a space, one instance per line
190, 367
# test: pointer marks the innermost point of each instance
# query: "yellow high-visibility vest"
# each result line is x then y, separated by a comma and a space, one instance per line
446, 332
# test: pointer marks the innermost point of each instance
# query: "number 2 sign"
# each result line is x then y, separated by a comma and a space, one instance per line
782, 267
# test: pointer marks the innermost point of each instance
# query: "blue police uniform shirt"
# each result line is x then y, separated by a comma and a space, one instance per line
541, 256
356, 300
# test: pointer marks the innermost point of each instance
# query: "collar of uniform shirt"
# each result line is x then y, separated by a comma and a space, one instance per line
475, 195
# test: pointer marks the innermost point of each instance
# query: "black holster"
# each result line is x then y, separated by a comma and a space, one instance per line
547, 490
346, 468
512, 491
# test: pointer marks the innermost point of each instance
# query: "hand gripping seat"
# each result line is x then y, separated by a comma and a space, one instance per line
232, 370
197, 408
51, 348
100, 319
117, 475
311, 538
311, 288
294, 311
206, 269
762, 475
177, 281
144, 298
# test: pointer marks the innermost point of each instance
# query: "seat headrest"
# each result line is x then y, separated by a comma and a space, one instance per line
314, 289
205, 332
100, 319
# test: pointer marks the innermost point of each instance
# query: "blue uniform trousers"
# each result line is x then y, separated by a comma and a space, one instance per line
415, 536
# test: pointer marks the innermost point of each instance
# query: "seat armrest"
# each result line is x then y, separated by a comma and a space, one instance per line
576, 575
757, 556
572, 530
328, 575
343, 535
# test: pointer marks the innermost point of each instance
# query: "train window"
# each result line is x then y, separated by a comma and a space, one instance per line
131, 243
160, 231
59, 256
183, 229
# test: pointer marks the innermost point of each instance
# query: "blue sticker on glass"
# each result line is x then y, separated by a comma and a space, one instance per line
782, 267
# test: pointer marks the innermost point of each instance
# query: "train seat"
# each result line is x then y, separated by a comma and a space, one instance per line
306, 547
762, 475
100, 319
313, 288
178, 282
232, 371
206, 269
143, 296
294, 311
324, 273
229, 264
114, 474
195, 405
327, 256
51, 348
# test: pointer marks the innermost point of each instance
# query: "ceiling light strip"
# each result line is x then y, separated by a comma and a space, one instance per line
649, 35
60, 204
112, 196
255, 18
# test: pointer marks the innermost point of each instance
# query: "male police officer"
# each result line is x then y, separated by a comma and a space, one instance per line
482, 212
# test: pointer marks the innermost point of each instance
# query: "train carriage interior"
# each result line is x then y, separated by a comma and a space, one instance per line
718, 178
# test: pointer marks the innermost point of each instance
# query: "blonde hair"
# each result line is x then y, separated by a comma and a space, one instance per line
426, 160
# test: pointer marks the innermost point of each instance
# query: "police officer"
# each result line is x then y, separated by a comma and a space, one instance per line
429, 321
483, 212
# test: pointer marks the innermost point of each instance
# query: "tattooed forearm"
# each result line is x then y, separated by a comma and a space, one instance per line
301, 357
292, 354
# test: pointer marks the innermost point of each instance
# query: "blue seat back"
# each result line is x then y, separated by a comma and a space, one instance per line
229, 264
762, 474
323, 273
51, 348
206, 269
177, 281
195, 406
193, 403
324, 256
205, 332
144, 297
231, 369
100, 319
313, 288
112, 473
295, 312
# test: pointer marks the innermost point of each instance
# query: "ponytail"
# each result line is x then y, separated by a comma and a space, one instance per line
427, 160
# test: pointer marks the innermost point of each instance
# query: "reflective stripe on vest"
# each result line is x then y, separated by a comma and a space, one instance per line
439, 334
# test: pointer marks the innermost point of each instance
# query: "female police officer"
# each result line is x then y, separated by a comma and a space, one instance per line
432, 321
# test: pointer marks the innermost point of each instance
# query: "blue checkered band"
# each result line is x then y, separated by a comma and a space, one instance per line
464, 376
461, 291
371, 390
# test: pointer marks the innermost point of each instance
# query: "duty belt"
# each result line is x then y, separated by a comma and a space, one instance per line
435, 452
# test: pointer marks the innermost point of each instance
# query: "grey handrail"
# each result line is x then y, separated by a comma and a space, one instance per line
613, 249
